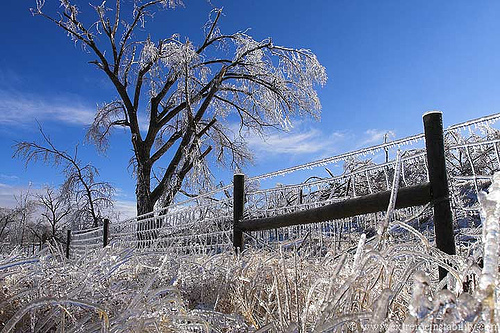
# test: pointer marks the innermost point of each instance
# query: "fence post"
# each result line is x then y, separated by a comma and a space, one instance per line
443, 223
105, 232
68, 241
238, 206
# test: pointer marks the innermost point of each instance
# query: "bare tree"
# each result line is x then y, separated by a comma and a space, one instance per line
56, 209
39, 230
91, 196
185, 105
25, 207
7, 218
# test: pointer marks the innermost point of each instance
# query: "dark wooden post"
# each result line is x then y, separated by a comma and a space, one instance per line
105, 232
238, 206
68, 242
443, 223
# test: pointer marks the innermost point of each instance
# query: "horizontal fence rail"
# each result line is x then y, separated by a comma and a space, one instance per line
321, 209
407, 197
436, 191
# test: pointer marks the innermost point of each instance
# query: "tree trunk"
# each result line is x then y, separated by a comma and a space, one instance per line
146, 228
144, 202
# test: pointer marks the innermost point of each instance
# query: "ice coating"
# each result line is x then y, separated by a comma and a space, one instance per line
421, 303
491, 214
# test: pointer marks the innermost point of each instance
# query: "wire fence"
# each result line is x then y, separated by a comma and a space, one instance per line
26, 248
204, 224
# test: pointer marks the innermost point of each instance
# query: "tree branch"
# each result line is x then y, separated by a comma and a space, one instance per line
166, 146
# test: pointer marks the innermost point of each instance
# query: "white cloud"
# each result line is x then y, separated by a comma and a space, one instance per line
7, 196
296, 142
376, 136
9, 76
125, 208
312, 143
17, 108
8, 193
8, 178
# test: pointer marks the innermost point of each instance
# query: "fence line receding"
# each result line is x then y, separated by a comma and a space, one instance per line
343, 204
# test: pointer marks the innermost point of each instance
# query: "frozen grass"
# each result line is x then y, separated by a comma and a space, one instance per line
380, 285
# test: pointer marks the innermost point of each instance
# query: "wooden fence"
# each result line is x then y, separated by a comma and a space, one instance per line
105, 237
435, 191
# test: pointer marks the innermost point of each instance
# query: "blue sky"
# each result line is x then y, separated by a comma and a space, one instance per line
388, 62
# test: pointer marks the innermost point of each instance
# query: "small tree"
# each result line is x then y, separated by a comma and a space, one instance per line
8, 218
178, 99
25, 207
80, 186
40, 231
56, 209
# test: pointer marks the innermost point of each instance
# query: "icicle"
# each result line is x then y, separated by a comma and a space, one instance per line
368, 182
359, 253
426, 169
490, 204
496, 153
468, 307
394, 194
403, 174
445, 302
386, 179
353, 186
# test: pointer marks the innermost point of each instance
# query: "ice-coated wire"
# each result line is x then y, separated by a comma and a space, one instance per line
371, 150
342, 157
204, 222
475, 122
474, 144
324, 181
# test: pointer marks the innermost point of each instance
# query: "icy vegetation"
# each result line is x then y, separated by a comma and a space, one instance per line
375, 286
366, 274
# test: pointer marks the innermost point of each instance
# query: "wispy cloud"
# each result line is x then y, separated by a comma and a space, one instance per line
299, 141
8, 76
310, 142
7, 196
376, 136
17, 108
125, 208
8, 178
8, 193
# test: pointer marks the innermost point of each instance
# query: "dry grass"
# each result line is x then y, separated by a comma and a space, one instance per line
381, 286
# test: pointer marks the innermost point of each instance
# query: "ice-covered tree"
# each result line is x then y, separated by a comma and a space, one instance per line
7, 217
25, 207
55, 211
187, 105
90, 198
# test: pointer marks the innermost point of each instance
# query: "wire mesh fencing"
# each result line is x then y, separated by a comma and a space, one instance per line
198, 225
204, 224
